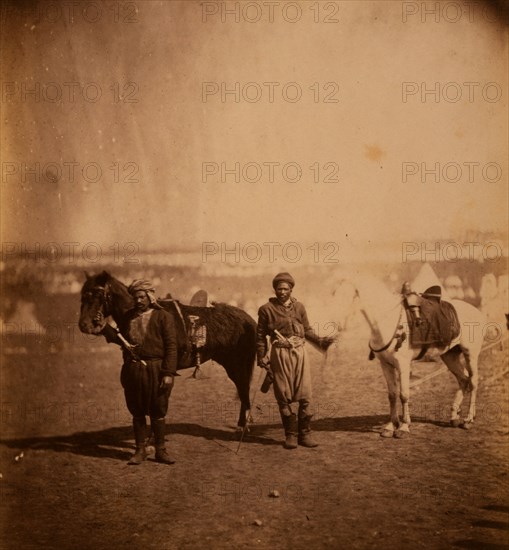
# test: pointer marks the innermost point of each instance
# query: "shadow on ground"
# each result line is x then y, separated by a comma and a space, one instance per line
117, 442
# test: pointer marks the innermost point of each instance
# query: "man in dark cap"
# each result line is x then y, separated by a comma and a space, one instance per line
148, 379
284, 320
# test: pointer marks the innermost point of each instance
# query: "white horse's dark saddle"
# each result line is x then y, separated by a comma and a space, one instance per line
432, 322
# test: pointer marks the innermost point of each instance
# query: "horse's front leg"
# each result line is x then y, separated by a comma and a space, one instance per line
244, 418
391, 377
404, 396
467, 382
239, 373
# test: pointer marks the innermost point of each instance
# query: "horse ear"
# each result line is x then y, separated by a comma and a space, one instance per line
87, 275
105, 275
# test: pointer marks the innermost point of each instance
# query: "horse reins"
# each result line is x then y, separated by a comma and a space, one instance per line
398, 335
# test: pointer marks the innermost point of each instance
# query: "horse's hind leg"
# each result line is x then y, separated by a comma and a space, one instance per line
240, 374
453, 361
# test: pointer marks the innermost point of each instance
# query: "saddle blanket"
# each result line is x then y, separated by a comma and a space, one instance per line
438, 325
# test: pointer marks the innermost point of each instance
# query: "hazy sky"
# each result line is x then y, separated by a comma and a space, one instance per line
133, 92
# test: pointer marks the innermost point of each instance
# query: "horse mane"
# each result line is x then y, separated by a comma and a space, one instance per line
101, 279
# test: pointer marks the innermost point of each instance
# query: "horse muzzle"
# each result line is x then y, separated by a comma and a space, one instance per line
95, 326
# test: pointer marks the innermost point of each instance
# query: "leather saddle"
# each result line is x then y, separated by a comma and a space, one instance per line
191, 332
432, 322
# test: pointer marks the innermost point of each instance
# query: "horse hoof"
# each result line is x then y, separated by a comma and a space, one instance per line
387, 433
240, 429
467, 425
456, 422
401, 434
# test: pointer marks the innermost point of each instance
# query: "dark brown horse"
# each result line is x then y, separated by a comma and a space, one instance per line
231, 333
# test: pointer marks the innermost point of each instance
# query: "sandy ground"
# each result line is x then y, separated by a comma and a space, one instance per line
71, 488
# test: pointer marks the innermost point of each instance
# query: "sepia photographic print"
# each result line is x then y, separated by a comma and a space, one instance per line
254, 274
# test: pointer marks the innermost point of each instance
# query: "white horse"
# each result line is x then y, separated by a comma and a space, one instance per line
390, 342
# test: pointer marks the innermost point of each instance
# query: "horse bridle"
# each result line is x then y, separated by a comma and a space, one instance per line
104, 292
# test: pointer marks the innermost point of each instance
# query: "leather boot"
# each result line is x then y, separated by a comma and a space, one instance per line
305, 438
159, 428
140, 435
290, 426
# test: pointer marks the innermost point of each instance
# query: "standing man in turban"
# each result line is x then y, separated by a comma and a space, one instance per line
148, 377
284, 320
